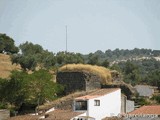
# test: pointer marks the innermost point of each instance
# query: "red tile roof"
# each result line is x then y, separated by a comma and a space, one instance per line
62, 115
25, 117
98, 93
154, 109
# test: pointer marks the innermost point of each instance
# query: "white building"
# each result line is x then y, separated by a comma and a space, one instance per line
98, 105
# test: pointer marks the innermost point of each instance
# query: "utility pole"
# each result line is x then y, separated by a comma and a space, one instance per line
66, 47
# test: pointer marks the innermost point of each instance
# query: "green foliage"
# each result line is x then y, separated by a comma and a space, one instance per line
93, 59
12, 91
68, 58
7, 44
140, 71
131, 73
23, 88
116, 67
121, 54
142, 101
33, 55
153, 78
48, 59
105, 63
28, 48
157, 98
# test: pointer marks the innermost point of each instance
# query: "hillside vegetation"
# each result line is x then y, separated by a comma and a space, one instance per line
6, 66
102, 72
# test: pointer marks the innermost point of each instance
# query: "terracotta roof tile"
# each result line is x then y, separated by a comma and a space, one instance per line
98, 93
25, 117
86, 97
154, 109
62, 115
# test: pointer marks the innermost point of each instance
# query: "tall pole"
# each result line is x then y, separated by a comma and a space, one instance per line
66, 39
66, 47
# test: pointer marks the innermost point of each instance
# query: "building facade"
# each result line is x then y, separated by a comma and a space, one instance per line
98, 105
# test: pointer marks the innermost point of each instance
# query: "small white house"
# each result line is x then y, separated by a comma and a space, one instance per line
98, 105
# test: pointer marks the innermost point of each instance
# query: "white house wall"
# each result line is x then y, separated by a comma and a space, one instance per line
110, 105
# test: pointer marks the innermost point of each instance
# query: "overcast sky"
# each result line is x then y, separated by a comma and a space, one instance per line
92, 24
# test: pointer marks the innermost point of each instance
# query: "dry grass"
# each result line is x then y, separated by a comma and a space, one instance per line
6, 66
103, 73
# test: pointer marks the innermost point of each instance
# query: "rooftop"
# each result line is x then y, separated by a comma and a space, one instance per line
154, 109
98, 93
151, 87
62, 115
25, 117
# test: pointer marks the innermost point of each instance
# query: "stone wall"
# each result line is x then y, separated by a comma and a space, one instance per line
75, 81
4, 114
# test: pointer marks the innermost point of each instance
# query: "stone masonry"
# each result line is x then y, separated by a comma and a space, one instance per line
75, 81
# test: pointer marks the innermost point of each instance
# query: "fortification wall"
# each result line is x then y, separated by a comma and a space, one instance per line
75, 81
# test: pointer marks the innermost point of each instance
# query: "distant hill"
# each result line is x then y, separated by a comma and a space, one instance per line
6, 66
123, 55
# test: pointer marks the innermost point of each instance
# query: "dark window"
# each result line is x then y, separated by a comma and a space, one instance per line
81, 105
96, 102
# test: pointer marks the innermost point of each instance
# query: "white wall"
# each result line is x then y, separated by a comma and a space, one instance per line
4, 114
129, 106
110, 105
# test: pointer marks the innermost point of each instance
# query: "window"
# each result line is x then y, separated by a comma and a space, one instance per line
81, 105
96, 102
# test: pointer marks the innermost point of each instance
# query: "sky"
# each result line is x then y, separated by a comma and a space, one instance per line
91, 24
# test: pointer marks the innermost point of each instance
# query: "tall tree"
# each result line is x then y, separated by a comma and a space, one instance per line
33, 55
7, 44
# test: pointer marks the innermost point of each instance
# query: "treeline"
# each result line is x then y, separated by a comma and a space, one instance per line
145, 71
121, 54
33, 55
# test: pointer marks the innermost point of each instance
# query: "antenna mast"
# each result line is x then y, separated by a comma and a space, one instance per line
66, 47
66, 39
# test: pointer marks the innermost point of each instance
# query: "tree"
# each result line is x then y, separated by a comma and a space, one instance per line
93, 59
7, 44
153, 78
105, 63
14, 90
66, 58
131, 73
24, 88
43, 88
29, 48
33, 55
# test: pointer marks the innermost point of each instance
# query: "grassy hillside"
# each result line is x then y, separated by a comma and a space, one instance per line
6, 66
103, 73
